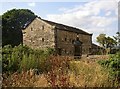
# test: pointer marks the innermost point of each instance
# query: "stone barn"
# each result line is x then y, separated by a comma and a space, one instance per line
66, 40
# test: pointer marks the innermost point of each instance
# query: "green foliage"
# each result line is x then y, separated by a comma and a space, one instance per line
13, 22
101, 39
113, 65
117, 38
24, 58
110, 42
106, 42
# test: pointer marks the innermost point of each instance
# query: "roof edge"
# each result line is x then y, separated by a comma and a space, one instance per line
67, 26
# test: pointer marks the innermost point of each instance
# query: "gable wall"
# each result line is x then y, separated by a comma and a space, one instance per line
39, 35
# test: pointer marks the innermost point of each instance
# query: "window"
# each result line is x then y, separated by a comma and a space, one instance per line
65, 39
31, 29
43, 39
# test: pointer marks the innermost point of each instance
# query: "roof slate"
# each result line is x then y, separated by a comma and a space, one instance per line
61, 27
66, 28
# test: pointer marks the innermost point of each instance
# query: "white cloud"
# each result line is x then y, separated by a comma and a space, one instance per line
108, 13
31, 4
88, 16
117, 0
62, 9
99, 21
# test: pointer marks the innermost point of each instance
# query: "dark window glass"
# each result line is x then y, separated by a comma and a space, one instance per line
65, 39
42, 39
42, 27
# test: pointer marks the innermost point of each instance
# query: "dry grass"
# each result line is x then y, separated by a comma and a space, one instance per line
84, 73
24, 80
89, 74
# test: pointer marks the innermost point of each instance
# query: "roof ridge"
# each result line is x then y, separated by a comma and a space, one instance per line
55, 23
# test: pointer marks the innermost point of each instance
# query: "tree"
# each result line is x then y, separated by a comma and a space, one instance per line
13, 22
101, 39
110, 42
107, 42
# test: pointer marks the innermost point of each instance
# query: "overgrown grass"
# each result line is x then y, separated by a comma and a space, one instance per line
65, 72
56, 71
89, 74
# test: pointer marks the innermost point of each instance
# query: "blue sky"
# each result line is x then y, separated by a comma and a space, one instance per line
95, 16
39, 8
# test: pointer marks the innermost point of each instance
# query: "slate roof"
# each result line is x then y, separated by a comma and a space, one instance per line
66, 28
60, 27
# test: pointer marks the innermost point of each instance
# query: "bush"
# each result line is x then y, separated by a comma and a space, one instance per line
23, 58
113, 65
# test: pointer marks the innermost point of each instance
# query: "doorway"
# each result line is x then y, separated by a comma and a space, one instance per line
77, 50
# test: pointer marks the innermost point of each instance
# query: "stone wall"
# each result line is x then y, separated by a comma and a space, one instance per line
39, 35
87, 43
65, 42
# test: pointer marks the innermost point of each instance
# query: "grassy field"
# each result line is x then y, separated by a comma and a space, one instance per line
85, 72
26, 67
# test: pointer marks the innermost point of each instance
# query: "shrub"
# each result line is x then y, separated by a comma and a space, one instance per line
113, 65
23, 58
